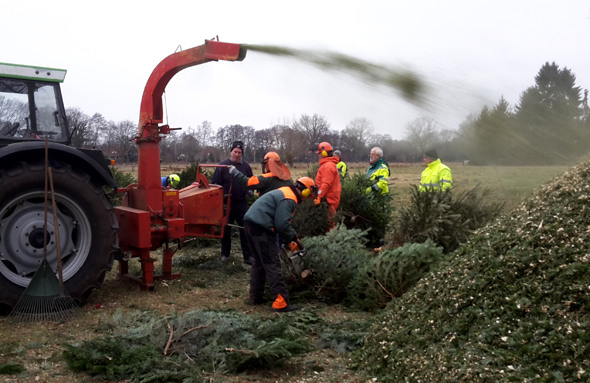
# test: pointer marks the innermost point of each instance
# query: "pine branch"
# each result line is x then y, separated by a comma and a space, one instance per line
384, 289
248, 352
193, 329
335, 268
169, 339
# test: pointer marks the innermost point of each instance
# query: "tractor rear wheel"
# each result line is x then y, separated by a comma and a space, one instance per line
86, 222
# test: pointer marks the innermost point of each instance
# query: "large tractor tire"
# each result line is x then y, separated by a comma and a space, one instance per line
87, 230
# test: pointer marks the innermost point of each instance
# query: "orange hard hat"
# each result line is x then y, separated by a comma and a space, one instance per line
307, 186
274, 155
324, 146
307, 182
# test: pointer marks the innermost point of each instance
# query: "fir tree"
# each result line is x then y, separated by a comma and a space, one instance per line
333, 259
391, 273
189, 175
176, 348
311, 220
123, 180
364, 211
445, 217
550, 114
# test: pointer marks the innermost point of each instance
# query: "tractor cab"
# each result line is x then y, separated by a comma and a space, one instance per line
31, 106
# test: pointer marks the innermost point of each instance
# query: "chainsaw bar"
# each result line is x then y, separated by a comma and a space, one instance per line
293, 260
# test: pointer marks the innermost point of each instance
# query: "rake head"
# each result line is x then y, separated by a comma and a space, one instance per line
44, 300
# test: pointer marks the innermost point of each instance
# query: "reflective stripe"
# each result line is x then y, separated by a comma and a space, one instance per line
253, 181
430, 184
447, 181
288, 193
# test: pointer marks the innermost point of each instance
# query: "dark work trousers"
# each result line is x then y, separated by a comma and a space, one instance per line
266, 266
236, 214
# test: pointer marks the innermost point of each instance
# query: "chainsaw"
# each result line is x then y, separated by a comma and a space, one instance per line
292, 256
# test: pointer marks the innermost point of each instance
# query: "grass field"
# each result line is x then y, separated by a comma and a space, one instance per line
511, 184
225, 287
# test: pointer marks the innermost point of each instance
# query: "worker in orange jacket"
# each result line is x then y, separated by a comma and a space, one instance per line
328, 178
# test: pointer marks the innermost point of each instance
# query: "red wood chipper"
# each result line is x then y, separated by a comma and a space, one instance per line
150, 216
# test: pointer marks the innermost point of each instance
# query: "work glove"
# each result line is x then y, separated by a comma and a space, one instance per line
372, 188
317, 201
232, 170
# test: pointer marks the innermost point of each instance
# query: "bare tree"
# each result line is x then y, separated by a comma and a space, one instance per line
205, 134
262, 143
83, 129
122, 134
168, 144
105, 129
356, 136
314, 128
13, 109
422, 133
288, 142
189, 146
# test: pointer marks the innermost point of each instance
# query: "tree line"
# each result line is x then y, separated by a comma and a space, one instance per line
549, 125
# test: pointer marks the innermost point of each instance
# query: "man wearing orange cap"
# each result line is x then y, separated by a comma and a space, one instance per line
328, 178
274, 175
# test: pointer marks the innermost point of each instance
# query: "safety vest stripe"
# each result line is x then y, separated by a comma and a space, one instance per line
288, 193
253, 181
446, 181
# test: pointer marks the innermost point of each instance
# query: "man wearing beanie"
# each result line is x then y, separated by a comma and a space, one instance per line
341, 165
436, 176
239, 205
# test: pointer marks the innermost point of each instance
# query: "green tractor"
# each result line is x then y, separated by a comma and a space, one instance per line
31, 109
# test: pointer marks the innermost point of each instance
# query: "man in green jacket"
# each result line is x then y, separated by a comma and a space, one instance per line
378, 172
274, 175
436, 176
271, 215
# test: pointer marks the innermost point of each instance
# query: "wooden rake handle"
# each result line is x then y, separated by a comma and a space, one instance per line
55, 224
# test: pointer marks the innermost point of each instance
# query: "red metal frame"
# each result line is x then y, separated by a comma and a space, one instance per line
151, 216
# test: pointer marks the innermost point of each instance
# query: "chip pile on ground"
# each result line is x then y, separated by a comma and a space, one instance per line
510, 305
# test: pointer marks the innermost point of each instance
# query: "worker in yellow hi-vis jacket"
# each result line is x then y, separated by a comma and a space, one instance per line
341, 165
378, 171
436, 176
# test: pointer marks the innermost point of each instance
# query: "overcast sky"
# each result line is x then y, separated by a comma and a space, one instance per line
469, 52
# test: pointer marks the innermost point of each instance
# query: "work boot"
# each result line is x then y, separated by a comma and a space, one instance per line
224, 258
249, 260
286, 309
257, 302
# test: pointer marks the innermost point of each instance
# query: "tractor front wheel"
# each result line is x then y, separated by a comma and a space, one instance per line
87, 228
